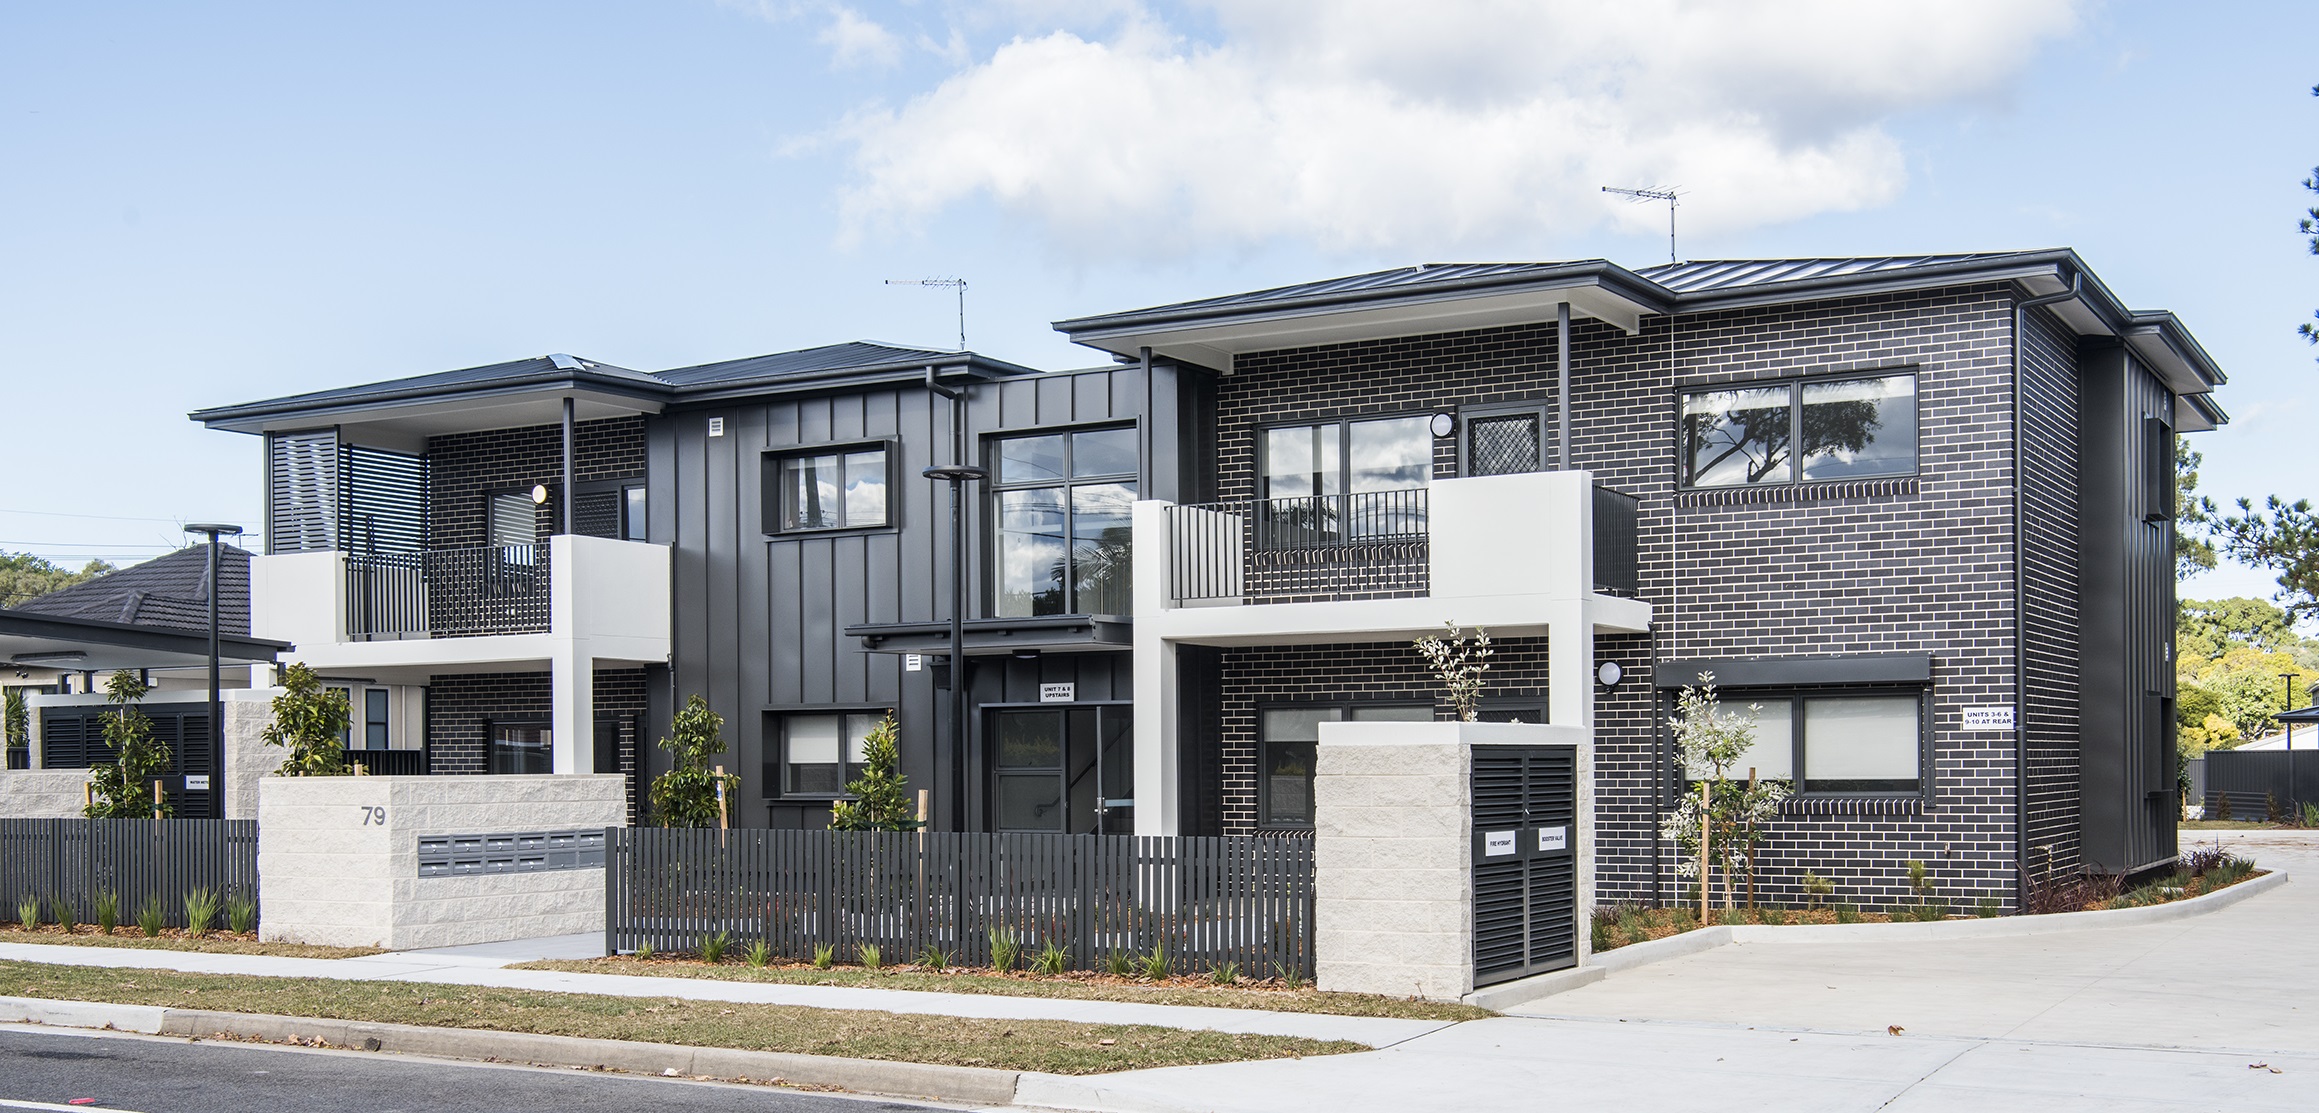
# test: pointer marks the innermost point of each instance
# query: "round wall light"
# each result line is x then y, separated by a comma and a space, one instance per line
539, 494
1444, 424
1609, 673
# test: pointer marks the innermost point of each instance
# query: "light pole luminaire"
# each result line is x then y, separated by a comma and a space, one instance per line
213, 531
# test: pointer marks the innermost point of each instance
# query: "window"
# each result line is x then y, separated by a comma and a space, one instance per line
522, 748
2157, 471
374, 719
609, 509
514, 519
821, 752
1851, 743
1063, 503
1345, 480
828, 489
1501, 441
1842, 428
1287, 742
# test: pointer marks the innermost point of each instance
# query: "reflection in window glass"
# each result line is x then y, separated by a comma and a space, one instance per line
514, 519
1392, 713
865, 488
809, 492
823, 752
1733, 438
1773, 757
632, 516
1097, 452
1030, 802
1028, 741
1395, 454
1861, 744
522, 749
1287, 746
1860, 427
1032, 555
837, 490
1301, 461
1102, 574
1033, 459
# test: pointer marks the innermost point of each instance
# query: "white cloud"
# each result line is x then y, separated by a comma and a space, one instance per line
856, 40
1384, 125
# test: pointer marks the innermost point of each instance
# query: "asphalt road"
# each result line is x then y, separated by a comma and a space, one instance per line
50, 1069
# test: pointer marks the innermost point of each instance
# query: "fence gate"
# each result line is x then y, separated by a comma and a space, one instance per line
1525, 816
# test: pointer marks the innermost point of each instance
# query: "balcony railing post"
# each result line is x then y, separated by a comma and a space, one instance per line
1367, 544
448, 593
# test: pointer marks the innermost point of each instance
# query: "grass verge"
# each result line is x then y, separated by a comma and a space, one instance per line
1270, 997
1055, 1046
174, 939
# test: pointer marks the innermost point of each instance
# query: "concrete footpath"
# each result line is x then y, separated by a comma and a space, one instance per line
483, 966
2219, 1011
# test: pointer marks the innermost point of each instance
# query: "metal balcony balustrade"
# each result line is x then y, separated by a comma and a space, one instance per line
448, 593
1373, 545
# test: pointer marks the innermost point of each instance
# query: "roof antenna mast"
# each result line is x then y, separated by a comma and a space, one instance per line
958, 284
1667, 195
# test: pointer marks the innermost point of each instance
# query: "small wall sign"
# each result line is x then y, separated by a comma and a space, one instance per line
197, 782
913, 662
1058, 693
1996, 716
1497, 844
1553, 838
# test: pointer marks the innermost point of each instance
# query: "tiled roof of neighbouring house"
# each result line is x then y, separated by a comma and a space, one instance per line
169, 592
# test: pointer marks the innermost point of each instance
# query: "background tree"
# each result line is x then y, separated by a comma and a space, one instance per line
2193, 515
311, 721
16, 720
880, 801
686, 795
23, 576
2310, 227
124, 788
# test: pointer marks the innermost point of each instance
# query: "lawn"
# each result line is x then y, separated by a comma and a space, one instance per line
1055, 1046
174, 939
1179, 990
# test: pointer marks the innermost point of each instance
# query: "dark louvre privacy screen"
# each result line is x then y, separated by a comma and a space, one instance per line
137, 860
74, 738
1616, 518
302, 491
1205, 900
1507, 445
1525, 896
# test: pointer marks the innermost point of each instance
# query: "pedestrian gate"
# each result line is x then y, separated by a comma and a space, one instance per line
1525, 845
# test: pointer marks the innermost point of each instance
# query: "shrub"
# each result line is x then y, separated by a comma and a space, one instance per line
1632, 924
687, 795
1731, 917
824, 955
311, 722
869, 954
1847, 913
28, 911
108, 911
1291, 977
150, 918
933, 958
1053, 960
2271, 808
200, 912
1773, 915
1224, 973
1988, 908
1817, 888
2310, 816
1603, 920
712, 947
1155, 964
2199, 859
123, 788
760, 954
2071, 893
644, 949
1004, 950
1459, 665
2218, 806
880, 800
61, 910
1121, 964
241, 913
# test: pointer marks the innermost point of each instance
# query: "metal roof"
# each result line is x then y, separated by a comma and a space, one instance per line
1702, 275
1424, 277
537, 370
829, 360
168, 592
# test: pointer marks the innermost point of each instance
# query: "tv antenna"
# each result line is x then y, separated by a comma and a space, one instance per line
1667, 195
958, 284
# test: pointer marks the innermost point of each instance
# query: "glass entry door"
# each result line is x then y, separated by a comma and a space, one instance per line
1066, 769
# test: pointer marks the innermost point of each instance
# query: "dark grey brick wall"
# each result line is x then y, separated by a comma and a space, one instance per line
2050, 582
459, 706
468, 467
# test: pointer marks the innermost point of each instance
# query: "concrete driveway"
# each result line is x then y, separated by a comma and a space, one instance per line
2214, 1012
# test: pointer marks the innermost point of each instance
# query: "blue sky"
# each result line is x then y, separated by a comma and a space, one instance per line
213, 204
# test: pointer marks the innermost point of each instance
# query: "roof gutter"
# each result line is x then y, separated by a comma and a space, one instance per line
2021, 310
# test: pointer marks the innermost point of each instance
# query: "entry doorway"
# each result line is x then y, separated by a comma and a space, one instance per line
1065, 769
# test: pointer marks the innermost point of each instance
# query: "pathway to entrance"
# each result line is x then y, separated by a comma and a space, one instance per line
2219, 1011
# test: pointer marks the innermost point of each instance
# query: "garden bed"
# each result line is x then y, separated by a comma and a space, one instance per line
1270, 995
174, 939
1053, 1046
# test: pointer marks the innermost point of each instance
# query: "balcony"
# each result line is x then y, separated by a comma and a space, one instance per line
448, 593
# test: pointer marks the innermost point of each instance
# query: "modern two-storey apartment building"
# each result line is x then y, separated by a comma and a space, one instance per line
1915, 511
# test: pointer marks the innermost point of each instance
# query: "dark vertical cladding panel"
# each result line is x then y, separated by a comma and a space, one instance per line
1199, 718
2050, 479
2128, 580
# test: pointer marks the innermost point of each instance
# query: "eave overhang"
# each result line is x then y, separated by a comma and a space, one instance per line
438, 409
44, 641
990, 637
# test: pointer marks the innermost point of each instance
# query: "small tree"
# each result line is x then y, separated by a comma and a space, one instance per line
1714, 740
1459, 664
311, 722
124, 788
686, 795
879, 801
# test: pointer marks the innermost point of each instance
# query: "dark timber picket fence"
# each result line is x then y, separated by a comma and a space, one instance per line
160, 860
1205, 900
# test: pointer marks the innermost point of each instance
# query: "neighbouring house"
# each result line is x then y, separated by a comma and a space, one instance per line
1916, 511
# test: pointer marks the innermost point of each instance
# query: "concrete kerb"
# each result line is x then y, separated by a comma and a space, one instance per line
980, 1085
1499, 998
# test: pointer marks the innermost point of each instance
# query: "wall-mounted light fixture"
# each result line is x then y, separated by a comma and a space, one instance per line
1609, 673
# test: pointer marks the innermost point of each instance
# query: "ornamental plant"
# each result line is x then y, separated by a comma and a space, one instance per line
1459, 663
123, 789
880, 802
1710, 742
16, 720
311, 722
686, 795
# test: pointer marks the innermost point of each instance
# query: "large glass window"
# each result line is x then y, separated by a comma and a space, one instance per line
374, 719
522, 748
1342, 480
1063, 503
820, 752
1288, 743
1840, 428
834, 489
1866, 743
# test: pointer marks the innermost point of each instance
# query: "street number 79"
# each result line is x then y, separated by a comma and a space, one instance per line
373, 816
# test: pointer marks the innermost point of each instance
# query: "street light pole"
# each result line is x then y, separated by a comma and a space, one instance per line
958, 473
214, 531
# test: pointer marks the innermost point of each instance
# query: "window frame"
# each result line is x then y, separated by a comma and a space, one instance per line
1799, 742
1540, 408
1344, 708
528, 722
1344, 424
769, 510
779, 789
627, 527
993, 577
1794, 385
